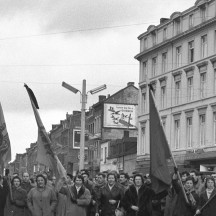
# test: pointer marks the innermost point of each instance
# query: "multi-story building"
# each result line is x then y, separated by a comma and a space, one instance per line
66, 141
113, 117
178, 57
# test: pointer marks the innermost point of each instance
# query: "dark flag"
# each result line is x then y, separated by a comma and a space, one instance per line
159, 150
45, 153
5, 148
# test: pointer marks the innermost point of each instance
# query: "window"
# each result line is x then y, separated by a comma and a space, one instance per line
164, 122
163, 97
153, 38
215, 41
143, 138
144, 73
191, 20
189, 132
145, 43
164, 62
164, 33
178, 25
189, 89
203, 13
177, 133
102, 156
214, 125
105, 154
154, 66
204, 46
202, 129
214, 81
202, 85
178, 56
191, 51
143, 107
177, 92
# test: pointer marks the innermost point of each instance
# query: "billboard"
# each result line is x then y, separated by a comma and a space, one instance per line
76, 138
120, 116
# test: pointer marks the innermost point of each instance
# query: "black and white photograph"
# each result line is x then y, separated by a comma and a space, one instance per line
107, 108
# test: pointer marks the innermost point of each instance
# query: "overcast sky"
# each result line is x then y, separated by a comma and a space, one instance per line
45, 42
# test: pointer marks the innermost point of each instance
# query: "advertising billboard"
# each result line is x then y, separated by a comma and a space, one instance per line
120, 116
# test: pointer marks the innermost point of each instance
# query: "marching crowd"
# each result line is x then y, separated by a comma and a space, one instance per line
108, 194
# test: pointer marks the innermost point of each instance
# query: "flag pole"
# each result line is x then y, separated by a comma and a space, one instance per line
209, 200
175, 165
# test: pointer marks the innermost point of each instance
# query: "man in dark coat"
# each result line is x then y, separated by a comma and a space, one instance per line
26, 185
90, 185
138, 198
3, 196
101, 182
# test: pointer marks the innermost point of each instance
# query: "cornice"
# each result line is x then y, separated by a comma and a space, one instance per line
175, 38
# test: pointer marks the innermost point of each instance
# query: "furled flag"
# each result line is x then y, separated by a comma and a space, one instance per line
45, 153
5, 148
159, 150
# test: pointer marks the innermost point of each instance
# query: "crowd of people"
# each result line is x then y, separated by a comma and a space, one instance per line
107, 194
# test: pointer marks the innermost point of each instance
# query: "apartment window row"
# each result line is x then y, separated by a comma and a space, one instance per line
178, 89
178, 58
189, 131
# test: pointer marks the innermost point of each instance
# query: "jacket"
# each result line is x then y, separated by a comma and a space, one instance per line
105, 194
83, 199
210, 209
142, 199
42, 203
181, 207
17, 207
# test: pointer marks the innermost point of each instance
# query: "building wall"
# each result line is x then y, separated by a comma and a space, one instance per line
168, 73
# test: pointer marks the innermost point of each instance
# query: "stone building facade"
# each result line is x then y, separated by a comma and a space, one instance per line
178, 57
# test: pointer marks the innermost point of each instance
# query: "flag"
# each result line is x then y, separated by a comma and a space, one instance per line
5, 148
159, 150
45, 153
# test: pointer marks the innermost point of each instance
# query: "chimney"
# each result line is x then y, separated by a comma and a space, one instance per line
102, 98
75, 112
163, 20
130, 83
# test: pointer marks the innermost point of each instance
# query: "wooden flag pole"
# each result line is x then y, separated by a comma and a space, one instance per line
175, 165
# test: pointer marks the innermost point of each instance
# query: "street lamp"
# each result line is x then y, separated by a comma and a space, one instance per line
83, 108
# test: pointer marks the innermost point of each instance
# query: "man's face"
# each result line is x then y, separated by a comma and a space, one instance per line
184, 177
138, 181
194, 176
131, 180
53, 179
111, 179
78, 182
122, 179
69, 180
85, 177
100, 179
25, 177
214, 176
